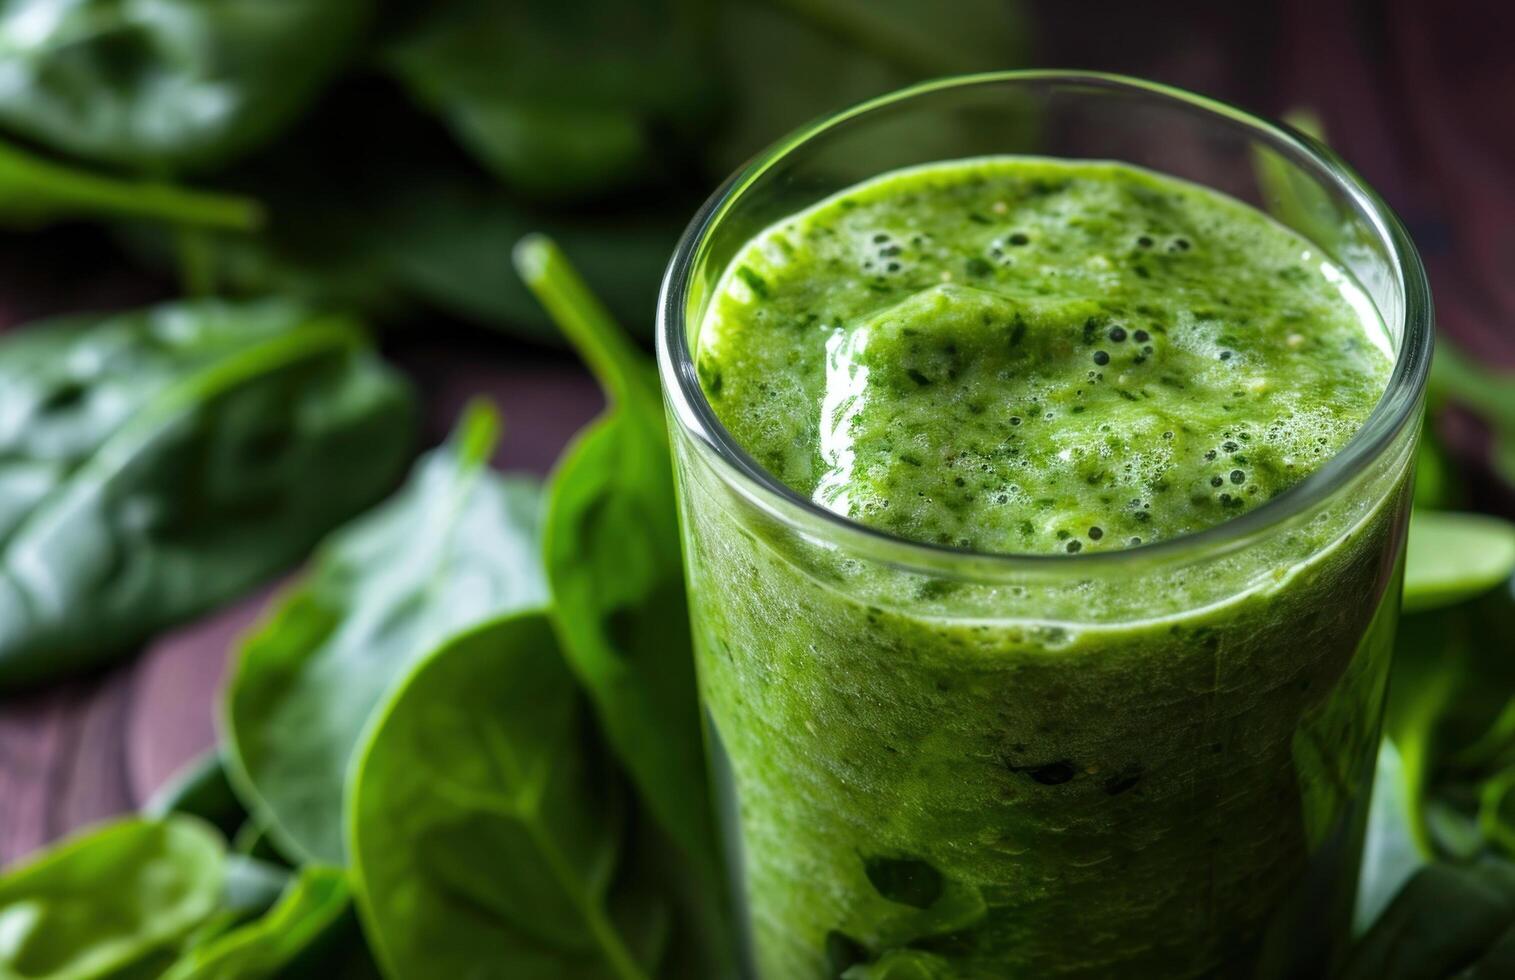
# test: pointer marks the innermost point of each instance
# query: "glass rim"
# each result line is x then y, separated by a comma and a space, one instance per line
1397, 407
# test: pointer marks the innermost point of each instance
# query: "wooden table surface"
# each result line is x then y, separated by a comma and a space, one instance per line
1418, 96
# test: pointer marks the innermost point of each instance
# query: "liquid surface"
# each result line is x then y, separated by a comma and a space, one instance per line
1038, 356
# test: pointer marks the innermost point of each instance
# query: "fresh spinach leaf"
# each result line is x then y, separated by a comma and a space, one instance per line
35, 191
440, 243
429, 240
1391, 854
250, 888
458, 545
838, 52
1450, 716
561, 99
108, 899
487, 834
1438, 485
201, 789
611, 546
311, 905
1447, 922
170, 85
1454, 557
156, 463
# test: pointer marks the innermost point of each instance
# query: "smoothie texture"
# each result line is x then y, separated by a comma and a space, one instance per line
1039, 356
1159, 769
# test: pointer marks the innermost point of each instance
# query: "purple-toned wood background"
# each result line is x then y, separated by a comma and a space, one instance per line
1420, 97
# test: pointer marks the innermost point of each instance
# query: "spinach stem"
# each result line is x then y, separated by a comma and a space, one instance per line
36, 186
616, 363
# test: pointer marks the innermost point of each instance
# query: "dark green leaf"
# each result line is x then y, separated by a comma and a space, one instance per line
459, 545
563, 99
486, 835
155, 464
613, 564
1450, 715
164, 86
838, 52
1446, 920
202, 790
441, 244
1438, 486
426, 239
108, 899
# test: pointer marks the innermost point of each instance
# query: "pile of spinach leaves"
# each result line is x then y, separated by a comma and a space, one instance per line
464, 741
382, 154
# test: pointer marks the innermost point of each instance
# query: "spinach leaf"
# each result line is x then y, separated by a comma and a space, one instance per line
1453, 557
838, 52
201, 789
458, 545
156, 463
486, 833
1391, 854
440, 243
108, 899
611, 546
165, 86
429, 238
1451, 718
563, 99
1447, 921
312, 904
1489, 392
35, 191
250, 888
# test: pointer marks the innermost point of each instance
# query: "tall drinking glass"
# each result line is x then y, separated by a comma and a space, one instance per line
1148, 762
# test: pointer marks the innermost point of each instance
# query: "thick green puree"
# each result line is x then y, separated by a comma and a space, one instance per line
1153, 771
1034, 356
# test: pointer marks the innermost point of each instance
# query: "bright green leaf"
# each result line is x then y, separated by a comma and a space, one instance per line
458, 545
108, 899
309, 907
486, 833
1454, 557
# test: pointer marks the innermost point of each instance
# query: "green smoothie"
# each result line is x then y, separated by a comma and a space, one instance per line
1157, 773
